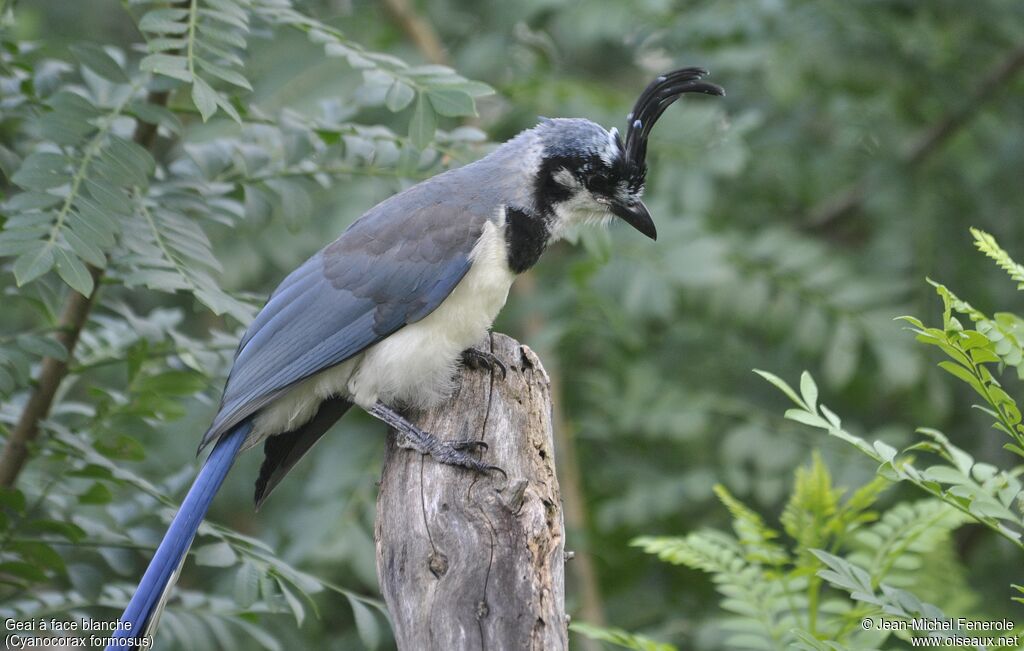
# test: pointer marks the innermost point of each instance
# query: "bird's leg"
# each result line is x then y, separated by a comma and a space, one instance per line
477, 359
452, 453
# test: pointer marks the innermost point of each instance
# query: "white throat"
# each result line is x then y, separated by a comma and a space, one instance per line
580, 209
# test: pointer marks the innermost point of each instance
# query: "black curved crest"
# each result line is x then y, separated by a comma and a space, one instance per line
658, 96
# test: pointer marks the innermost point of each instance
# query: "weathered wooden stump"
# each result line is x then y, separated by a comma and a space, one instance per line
471, 561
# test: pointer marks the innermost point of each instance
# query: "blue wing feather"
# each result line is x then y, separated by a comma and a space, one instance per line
390, 268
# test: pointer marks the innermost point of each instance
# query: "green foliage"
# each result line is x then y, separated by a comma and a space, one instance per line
980, 490
988, 245
893, 551
776, 595
620, 638
91, 190
197, 44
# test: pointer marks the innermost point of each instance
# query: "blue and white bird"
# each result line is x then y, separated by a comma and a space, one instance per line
381, 316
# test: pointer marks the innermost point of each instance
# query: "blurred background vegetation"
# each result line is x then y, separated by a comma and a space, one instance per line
797, 218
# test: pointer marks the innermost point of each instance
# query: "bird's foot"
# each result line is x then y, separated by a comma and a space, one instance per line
452, 453
479, 360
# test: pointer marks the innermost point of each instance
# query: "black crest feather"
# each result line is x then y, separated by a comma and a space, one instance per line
658, 96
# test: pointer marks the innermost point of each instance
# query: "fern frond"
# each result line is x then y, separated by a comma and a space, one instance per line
619, 637
902, 536
812, 505
943, 580
854, 511
709, 551
767, 603
807, 642
754, 535
990, 247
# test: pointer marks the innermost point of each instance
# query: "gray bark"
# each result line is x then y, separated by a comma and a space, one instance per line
473, 561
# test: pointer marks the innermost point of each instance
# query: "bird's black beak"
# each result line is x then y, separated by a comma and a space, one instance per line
636, 215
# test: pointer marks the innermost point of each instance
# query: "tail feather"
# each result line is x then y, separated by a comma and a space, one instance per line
283, 451
144, 608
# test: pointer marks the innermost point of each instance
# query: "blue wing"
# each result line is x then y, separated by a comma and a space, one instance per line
392, 267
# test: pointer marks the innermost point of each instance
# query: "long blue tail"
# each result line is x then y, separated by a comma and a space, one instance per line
148, 597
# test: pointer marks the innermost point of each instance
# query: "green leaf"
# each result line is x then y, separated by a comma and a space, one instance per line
98, 493
120, 447
218, 554
96, 59
66, 530
247, 584
164, 21
33, 263
945, 475
85, 249
169, 65
809, 391
423, 124
205, 98
23, 570
174, 383
43, 347
782, 386
962, 373
298, 612
73, 272
30, 201
132, 155
72, 103
399, 95
451, 102
366, 624
156, 114
12, 498
39, 554
110, 198
261, 637
41, 171
807, 418
226, 74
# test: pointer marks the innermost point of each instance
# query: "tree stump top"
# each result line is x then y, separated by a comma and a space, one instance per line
473, 561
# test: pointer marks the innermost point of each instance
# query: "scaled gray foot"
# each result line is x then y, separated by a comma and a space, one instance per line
452, 453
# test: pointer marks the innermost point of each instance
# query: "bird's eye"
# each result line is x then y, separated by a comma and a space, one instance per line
599, 182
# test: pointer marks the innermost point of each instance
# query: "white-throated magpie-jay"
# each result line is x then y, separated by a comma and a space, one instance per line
382, 315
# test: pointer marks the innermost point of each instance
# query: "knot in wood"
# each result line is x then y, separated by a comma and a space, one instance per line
438, 564
515, 495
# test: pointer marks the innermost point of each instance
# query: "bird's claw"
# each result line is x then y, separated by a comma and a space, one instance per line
480, 360
472, 445
451, 453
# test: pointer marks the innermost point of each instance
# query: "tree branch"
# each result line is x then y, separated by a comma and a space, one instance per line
52, 371
845, 203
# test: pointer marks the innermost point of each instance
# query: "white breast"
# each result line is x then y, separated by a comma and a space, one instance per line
415, 366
